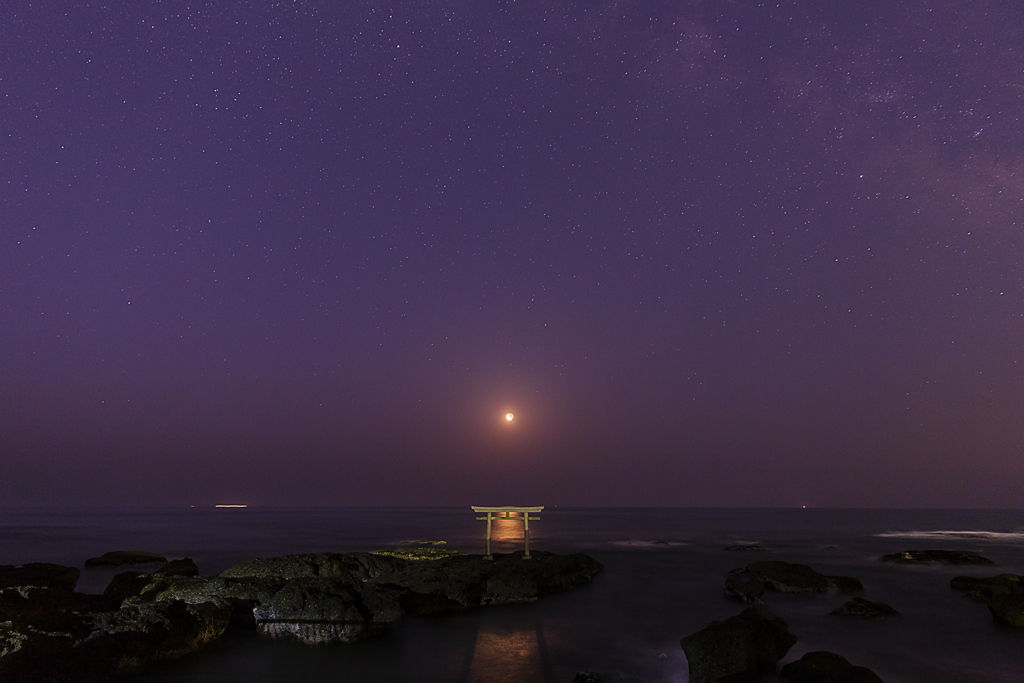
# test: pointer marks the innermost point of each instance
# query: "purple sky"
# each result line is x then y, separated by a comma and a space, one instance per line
709, 252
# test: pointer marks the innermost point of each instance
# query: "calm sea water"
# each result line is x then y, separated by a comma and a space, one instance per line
663, 577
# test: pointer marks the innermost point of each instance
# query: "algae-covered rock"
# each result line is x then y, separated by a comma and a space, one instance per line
944, 556
1003, 593
125, 558
1008, 609
985, 588
741, 647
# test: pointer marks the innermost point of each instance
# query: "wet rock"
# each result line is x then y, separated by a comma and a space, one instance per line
125, 558
859, 607
740, 647
745, 546
182, 567
826, 667
930, 556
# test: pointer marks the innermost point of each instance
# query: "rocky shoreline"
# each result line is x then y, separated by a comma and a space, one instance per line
49, 633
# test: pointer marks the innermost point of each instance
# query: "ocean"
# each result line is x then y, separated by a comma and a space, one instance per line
663, 578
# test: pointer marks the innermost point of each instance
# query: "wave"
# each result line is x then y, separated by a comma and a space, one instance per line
946, 534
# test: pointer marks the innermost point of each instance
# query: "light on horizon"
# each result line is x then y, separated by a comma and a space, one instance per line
225, 505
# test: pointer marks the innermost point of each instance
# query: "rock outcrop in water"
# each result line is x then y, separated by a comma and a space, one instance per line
49, 633
748, 583
944, 556
739, 648
1003, 594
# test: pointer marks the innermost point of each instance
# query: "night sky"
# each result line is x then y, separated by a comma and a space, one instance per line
709, 252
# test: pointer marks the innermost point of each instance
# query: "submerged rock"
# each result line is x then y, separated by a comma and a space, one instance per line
125, 558
740, 647
826, 667
945, 556
786, 577
749, 590
859, 607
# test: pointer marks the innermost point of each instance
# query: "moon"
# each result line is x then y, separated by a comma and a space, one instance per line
509, 417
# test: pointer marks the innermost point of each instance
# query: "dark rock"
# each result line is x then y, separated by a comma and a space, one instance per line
751, 546
929, 556
182, 567
39, 574
741, 647
125, 558
747, 590
813, 667
826, 667
859, 607
788, 578
586, 677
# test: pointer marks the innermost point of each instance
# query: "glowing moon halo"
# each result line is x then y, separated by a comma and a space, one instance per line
509, 417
